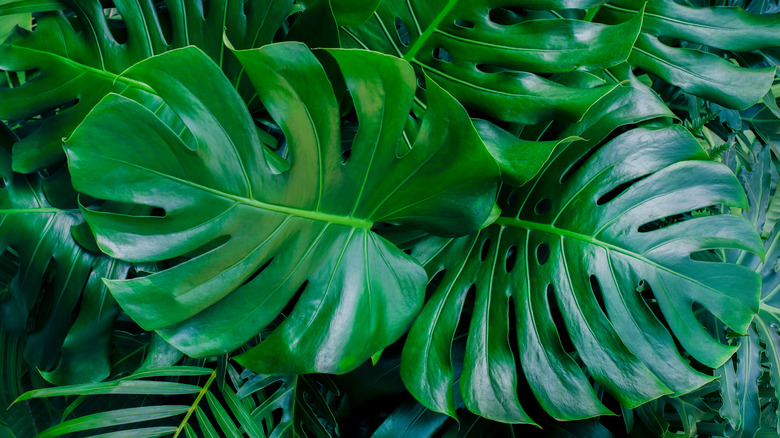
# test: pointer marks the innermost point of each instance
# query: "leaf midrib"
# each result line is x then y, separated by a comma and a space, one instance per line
105, 73
306, 214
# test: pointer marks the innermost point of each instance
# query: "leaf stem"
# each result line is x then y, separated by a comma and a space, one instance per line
429, 31
194, 406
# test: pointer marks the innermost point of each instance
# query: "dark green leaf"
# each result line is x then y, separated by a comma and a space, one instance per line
314, 221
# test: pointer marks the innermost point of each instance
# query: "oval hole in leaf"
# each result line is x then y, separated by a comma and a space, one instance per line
543, 206
402, 31
466, 24
421, 82
442, 55
511, 259
485, 250
511, 198
157, 212
542, 253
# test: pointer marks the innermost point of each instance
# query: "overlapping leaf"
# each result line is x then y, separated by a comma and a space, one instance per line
579, 241
74, 66
495, 64
696, 65
56, 298
272, 234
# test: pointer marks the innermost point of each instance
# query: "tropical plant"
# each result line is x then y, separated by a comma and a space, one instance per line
389, 218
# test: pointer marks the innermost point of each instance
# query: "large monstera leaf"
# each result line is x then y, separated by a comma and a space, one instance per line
478, 52
684, 46
571, 257
72, 69
254, 235
56, 299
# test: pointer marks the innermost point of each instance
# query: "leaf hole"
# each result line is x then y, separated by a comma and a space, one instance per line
490, 68
507, 16
614, 193
672, 219
569, 173
442, 55
465, 24
157, 212
558, 321
345, 154
402, 31
510, 259
421, 82
543, 206
595, 286
542, 253
485, 250
116, 25
511, 198
434, 283
257, 272
290, 306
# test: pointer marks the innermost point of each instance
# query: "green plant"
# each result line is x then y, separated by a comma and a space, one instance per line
521, 212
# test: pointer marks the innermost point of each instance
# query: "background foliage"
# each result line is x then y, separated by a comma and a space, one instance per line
389, 218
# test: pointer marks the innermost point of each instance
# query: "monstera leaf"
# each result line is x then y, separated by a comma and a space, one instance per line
696, 64
56, 298
259, 239
71, 70
572, 256
489, 62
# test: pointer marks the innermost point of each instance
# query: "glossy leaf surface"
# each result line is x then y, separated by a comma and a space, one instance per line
578, 241
310, 226
691, 67
56, 298
493, 65
76, 65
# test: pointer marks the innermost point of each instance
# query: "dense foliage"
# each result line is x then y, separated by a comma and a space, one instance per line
226, 218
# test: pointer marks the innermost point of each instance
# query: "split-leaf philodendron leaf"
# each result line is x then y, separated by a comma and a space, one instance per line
74, 66
259, 235
579, 240
687, 63
56, 298
490, 65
